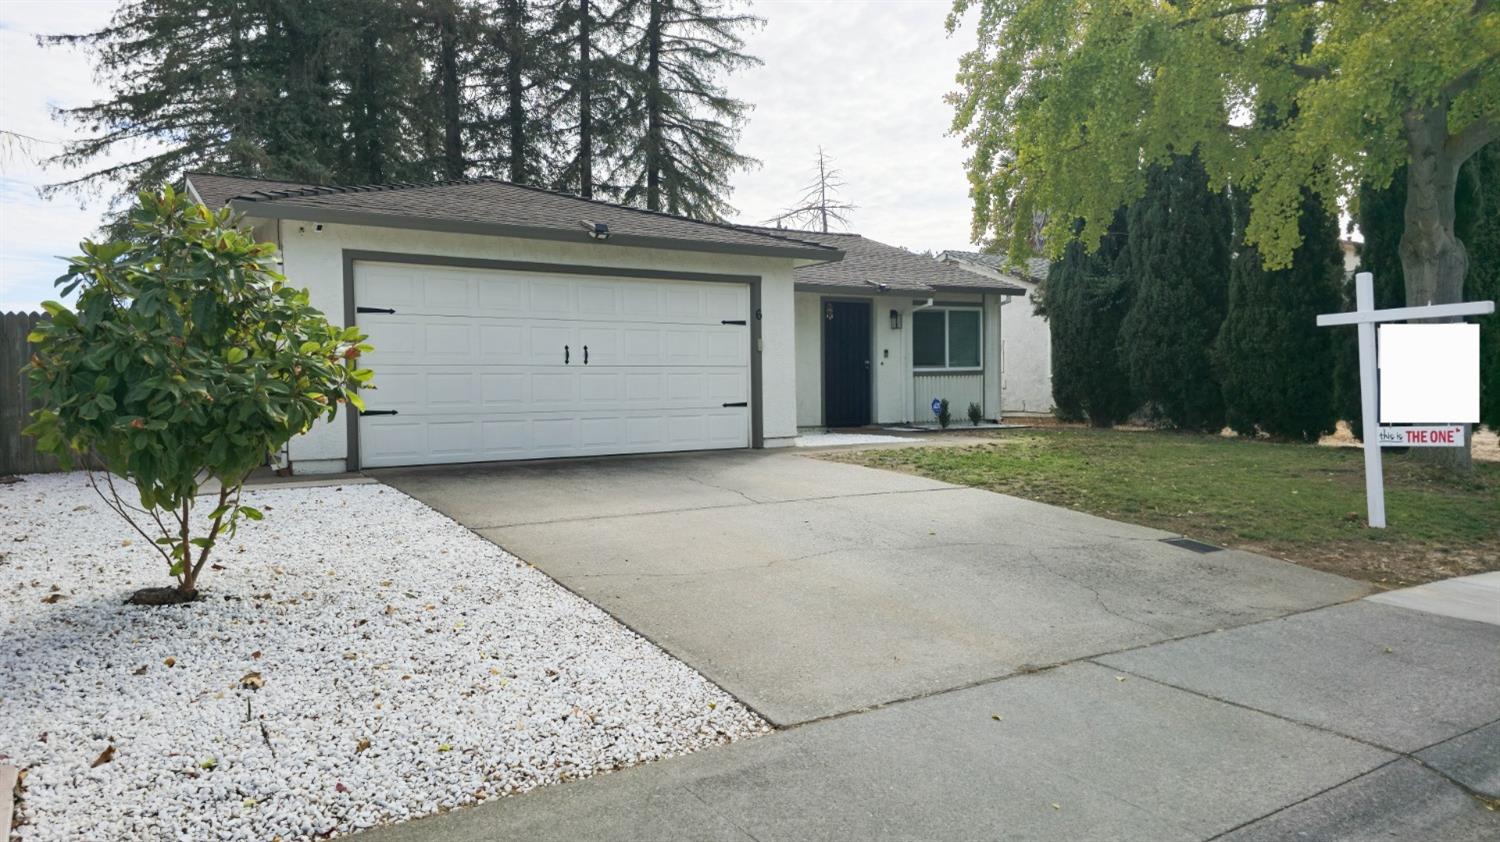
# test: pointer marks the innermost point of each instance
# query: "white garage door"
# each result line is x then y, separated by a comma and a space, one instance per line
480, 364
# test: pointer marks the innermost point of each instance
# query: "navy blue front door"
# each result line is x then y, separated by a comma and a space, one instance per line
846, 363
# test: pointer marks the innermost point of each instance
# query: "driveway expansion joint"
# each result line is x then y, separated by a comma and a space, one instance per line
1487, 801
720, 506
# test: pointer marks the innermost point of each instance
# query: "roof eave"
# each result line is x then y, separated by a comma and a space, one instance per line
278, 210
999, 288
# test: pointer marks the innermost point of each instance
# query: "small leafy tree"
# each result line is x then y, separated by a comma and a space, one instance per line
976, 414
188, 359
944, 416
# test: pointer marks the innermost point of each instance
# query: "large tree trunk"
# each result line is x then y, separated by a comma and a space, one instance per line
1433, 260
653, 108
585, 104
453, 141
515, 22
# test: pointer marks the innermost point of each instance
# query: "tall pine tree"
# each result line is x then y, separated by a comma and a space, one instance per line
1084, 299
306, 90
1178, 268
586, 92
683, 125
1273, 360
623, 99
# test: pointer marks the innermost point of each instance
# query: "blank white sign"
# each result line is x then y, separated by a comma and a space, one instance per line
1429, 373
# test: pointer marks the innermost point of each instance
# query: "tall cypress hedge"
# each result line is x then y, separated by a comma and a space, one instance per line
1178, 268
1084, 300
1479, 230
1274, 362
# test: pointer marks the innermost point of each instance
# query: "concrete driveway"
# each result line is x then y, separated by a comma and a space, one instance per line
951, 663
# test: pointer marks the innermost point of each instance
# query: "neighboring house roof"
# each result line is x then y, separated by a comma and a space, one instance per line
491, 206
1033, 270
869, 265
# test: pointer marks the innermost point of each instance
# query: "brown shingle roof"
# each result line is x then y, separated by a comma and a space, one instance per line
490, 206
867, 264
1033, 269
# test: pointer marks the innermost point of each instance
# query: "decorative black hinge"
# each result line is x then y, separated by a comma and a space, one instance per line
364, 412
386, 310
741, 403
732, 322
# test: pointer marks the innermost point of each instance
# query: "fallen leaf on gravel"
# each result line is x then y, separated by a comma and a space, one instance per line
363, 744
1056, 806
252, 681
104, 757
1119, 678
54, 598
349, 656
171, 662
390, 609
141, 670
445, 747
385, 583
208, 763
125, 543
339, 787
255, 655
997, 717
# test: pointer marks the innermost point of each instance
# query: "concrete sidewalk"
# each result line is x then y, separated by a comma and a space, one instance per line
946, 663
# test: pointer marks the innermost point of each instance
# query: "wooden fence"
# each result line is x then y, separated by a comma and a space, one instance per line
17, 452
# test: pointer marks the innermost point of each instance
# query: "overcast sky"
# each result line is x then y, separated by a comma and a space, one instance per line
863, 78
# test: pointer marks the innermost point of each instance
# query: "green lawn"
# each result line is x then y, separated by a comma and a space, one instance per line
1299, 502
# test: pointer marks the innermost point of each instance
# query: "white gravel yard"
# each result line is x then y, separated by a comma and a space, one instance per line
409, 666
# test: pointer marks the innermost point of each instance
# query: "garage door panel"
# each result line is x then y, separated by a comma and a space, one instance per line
416, 289
427, 440
505, 391
446, 390
498, 295
473, 362
553, 390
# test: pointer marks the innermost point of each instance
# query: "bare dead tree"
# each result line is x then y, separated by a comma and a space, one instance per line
819, 203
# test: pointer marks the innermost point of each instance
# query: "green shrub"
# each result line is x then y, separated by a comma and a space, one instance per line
1277, 367
944, 416
1084, 300
187, 359
976, 414
1178, 259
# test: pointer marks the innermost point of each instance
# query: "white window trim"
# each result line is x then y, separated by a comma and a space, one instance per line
945, 368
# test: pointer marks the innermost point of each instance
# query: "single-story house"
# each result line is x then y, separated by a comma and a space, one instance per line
884, 333
1026, 350
511, 322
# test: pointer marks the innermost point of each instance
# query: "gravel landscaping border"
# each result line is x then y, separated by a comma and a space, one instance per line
358, 659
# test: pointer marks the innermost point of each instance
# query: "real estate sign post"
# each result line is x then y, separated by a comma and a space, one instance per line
1456, 368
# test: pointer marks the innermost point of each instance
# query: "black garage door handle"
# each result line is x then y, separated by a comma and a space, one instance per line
385, 310
364, 412
741, 403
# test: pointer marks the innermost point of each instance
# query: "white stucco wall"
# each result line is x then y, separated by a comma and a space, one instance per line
1026, 355
314, 259
896, 391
